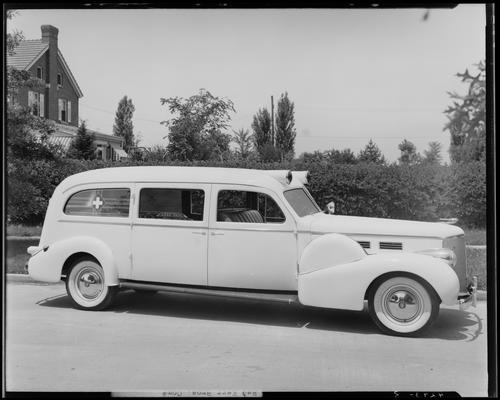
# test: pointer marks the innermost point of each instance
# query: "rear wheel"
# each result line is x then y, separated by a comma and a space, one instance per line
402, 305
86, 287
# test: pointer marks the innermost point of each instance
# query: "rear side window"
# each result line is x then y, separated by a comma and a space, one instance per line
179, 204
99, 203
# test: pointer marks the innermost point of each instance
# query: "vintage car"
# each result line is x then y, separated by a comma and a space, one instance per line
244, 233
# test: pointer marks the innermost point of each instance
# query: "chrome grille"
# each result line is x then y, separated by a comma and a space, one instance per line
457, 244
391, 245
364, 244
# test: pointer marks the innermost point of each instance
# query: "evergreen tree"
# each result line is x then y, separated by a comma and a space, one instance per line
261, 126
243, 140
82, 146
409, 153
371, 154
433, 154
285, 127
467, 118
123, 122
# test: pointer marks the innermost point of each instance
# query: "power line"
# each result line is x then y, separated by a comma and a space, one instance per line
113, 113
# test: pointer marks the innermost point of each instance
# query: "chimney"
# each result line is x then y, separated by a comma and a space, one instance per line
49, 35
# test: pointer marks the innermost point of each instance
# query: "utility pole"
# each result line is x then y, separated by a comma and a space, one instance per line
272, 121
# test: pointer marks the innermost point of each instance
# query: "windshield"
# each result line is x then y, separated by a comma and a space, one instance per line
301, 201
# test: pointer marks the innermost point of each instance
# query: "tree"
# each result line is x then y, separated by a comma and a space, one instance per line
409, 153
244, 141
466, 118
261, 126
196, 133
285, 127
345, 156
123, 122
371, 154
433, 154
27, 134
13, 38
82, 146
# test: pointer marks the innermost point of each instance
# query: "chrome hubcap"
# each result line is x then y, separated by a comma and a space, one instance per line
402, 304
89, 283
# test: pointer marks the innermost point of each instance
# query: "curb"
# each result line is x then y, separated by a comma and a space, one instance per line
25, 278
23, 237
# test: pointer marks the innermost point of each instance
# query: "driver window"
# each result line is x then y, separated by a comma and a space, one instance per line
247, 207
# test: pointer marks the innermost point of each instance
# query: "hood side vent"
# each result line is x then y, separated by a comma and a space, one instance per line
391, 246
364, 244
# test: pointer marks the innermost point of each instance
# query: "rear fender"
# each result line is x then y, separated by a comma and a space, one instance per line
46, 266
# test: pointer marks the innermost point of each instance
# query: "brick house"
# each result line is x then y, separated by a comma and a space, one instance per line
57, 94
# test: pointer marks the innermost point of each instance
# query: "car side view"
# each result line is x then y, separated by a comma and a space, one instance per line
244, 233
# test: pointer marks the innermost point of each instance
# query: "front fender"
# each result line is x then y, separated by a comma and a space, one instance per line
46, 266
344, 286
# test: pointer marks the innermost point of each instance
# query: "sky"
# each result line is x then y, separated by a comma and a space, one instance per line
353, 75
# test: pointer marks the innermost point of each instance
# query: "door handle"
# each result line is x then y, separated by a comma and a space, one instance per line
199, 233
216, 234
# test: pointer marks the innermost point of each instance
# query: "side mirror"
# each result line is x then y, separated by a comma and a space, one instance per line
330, 208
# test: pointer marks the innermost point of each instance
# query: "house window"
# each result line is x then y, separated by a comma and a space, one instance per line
59, 80
36, 103
39, 72
64, 110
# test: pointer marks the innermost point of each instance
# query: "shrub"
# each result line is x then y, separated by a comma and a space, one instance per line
416, 192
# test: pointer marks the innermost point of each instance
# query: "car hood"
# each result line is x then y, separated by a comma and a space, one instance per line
325, 223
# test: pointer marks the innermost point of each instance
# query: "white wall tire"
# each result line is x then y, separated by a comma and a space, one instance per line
403, 306
86, 287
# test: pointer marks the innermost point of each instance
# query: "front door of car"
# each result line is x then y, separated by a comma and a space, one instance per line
252, 242
170, 233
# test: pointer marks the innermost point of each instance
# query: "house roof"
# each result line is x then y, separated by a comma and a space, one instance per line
29, 51
70, 131
25, 53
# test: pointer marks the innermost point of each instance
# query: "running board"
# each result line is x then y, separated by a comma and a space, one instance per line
246, 294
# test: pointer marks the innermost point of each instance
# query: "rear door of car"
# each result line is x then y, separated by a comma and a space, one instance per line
170, 233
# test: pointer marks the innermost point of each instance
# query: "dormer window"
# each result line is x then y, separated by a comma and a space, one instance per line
39, 72
59, 80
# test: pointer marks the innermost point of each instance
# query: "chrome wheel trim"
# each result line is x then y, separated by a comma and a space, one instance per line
417, 308
89, 282
86, 284
402, 304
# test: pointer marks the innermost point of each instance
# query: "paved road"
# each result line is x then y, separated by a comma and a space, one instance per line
180, 342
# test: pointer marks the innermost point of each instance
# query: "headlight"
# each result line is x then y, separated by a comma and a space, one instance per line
446, 254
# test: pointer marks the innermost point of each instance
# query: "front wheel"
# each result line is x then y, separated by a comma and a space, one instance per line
86, 288
403, 306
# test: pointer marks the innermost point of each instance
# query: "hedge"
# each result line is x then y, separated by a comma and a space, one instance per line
419, 192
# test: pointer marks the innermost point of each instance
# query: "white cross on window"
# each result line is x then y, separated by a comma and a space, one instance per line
97, 202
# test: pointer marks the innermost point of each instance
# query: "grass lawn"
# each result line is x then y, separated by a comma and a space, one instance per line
24, 230
475, 236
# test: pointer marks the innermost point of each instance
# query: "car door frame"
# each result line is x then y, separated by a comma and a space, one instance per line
287, 227
198, 228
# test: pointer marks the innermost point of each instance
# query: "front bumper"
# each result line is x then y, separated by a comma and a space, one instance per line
470, 299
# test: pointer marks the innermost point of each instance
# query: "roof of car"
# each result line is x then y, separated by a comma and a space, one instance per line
251, 177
